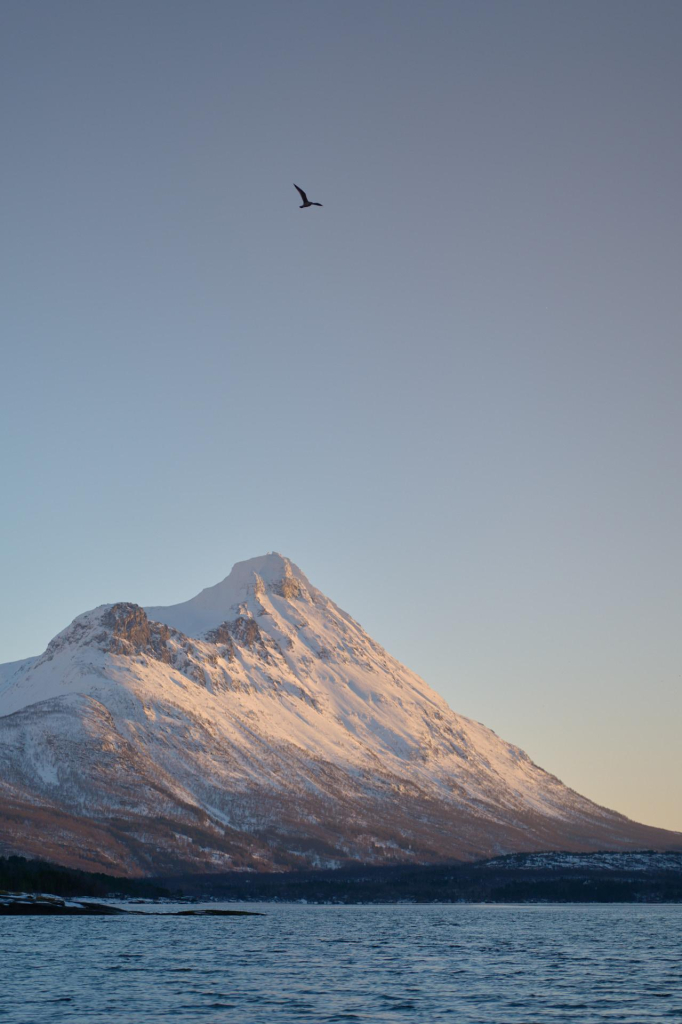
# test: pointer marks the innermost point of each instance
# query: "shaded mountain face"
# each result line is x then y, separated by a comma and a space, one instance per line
258, 726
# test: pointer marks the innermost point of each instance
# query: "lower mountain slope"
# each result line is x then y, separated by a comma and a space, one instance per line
258, 726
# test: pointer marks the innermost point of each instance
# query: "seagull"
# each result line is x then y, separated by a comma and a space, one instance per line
306, 201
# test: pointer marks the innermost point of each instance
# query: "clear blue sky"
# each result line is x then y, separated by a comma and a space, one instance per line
452, 395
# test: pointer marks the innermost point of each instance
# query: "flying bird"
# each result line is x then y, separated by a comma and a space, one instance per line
306, 201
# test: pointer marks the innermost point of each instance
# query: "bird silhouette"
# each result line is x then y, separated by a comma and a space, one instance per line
306, 201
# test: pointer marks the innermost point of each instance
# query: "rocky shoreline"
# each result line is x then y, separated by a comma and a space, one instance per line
43, 904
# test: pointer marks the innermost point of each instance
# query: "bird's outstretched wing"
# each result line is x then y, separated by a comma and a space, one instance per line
301, 193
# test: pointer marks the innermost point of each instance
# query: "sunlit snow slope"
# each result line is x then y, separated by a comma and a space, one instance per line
259, 726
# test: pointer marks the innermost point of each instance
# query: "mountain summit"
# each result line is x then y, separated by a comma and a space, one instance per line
258, 726
248, 580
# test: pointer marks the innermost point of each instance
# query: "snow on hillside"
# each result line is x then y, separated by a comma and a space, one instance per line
13, 670
631, 862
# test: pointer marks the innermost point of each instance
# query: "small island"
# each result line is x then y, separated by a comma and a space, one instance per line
43, 904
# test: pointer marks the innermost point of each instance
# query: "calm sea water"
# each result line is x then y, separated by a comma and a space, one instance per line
469, 964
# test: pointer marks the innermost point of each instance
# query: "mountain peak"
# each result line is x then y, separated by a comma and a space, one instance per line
239, 592
121, 628
258, 725
271, 568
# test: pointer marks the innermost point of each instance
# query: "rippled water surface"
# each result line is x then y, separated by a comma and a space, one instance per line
470, 964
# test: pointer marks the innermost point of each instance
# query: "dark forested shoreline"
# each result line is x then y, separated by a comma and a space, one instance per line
645, 877
515, 879
18, 874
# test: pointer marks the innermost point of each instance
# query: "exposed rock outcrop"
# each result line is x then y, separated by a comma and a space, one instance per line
133, 633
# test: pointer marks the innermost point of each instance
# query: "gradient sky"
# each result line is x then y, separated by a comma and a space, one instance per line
452, 395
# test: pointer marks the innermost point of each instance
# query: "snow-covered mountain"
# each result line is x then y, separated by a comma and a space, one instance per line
258, 726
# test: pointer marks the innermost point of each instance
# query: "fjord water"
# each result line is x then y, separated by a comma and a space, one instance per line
539, 964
